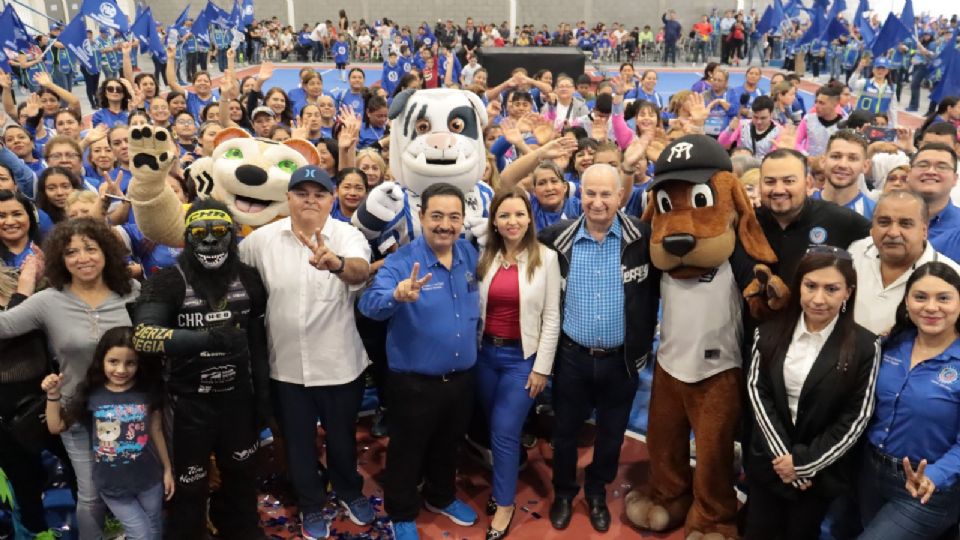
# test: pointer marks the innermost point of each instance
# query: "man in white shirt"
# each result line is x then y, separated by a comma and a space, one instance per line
885, 260
320, 38
466, 74
316, 355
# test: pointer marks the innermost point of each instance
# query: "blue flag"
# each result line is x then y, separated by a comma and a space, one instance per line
892, 33
834, 30
763, 26
4, 61
792, 8
949, 84
236, 16
247, 13
216, 15
818, 25
907, 17
145, 29
13, 34
106, 13
182, 18
201, 29
838, 7
73, 37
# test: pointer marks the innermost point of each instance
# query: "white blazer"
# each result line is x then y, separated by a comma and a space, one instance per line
539, 306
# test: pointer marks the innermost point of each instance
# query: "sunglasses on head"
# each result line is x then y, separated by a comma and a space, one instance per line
824, 249
200, 232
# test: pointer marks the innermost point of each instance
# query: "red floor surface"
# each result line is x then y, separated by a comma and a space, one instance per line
533, 500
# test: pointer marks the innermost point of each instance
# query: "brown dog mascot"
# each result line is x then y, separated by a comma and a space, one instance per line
709, 245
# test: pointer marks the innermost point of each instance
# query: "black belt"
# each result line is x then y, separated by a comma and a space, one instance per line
885, 459
443, 377
497, 341
595, 352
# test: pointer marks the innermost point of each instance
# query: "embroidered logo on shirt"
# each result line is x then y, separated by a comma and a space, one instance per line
948, 375
818, 235
635, 274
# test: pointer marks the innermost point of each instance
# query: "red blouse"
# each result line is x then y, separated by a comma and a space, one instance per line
503, 304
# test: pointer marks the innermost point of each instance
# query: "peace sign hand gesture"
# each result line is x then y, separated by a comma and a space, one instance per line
918, 485
408, 290
323, 258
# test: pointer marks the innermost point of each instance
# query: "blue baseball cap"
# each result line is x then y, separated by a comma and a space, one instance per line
882, 62
311, 173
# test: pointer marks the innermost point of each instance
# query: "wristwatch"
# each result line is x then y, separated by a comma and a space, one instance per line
343, 264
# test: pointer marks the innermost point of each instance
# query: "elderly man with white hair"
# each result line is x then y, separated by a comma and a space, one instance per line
609, 315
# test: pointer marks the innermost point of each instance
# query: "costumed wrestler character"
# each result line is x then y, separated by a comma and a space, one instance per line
435, 136
708, 243
205, 316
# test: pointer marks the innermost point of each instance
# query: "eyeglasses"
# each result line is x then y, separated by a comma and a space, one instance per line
185, 122
63, 155
823, 249
114, 89
200, 232
940, 167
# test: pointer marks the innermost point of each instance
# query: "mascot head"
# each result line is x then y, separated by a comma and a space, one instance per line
699, 211
209, 259
437, 136
250, 175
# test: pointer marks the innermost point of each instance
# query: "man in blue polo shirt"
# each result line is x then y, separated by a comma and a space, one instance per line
933, 173
428, 292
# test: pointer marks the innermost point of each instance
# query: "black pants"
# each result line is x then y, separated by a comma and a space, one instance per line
24, 467
224, 425
427, 421
582, 383
724, 50
374, 336
91, 83
193, 61
772, 517
336, 407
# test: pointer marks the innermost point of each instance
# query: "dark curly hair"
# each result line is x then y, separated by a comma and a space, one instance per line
115, 273
102, 94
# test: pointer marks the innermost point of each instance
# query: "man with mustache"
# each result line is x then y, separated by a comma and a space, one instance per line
884, 260
428, 292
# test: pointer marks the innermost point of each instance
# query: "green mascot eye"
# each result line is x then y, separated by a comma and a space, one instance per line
287, 165
234, 153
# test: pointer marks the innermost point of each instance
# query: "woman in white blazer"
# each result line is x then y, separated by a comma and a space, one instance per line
520, 307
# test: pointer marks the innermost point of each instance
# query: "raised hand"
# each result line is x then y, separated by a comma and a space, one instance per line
350, 132
266, 71
543, 130
527, 121
322, 257
52, 384
637, 150
494, 108
6, 81
298, 131
31, 272
598, 129
558, 148
918, 484
698, 109
32, 108
231, 54
112, 187
408, 290
43, 79
510, 131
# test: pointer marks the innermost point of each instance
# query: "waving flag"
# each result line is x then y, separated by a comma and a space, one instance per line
13, 34
892, 33
862, 23
838, 7
792, 8
907, 18
949, 84
236, 16
834, 30
247, 12
182, 18
818, 23
73, 37
201, 28
106, 13
216, 15
763, 25
145, 30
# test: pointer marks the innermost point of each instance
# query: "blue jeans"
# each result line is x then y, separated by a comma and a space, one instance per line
140, 515
501, 376
90, 508
700, 51
756, 45
669, 51
890, 513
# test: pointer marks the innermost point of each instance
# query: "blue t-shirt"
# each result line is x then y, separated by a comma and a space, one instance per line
543, 218
151, 255
861, 204
108, 117
390, 77
195, 105
349, 98
341, 52
124, 462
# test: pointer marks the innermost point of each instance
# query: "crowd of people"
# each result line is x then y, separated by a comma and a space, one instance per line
860, 211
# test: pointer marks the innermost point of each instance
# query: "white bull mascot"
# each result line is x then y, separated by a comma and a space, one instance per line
435, 136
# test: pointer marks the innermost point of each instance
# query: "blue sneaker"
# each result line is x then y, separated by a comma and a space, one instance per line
360, 511
314, 526
457, 511
405, 530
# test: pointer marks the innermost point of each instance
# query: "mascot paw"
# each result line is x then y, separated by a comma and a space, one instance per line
767, 293
151, 152
476, 227
644, 514
385, 201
